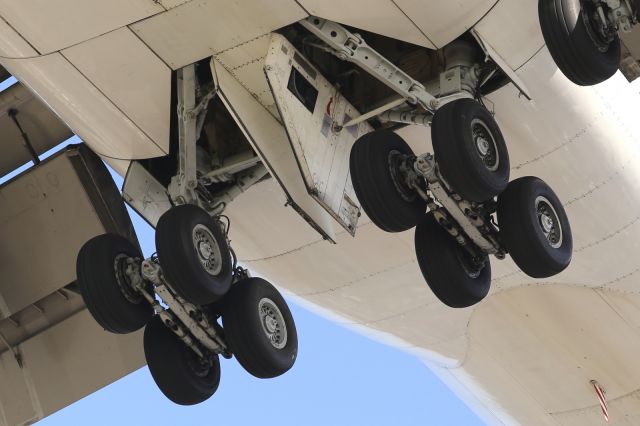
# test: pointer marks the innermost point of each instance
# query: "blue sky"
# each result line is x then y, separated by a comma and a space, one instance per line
340, 378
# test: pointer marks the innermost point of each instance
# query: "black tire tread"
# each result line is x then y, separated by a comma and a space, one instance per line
522, 237
166, 359
99, 287
179, 262
244, 333
460, 166
436, 254
373, 186
571, 47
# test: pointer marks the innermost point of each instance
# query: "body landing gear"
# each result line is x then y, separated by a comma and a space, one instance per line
459, 187
199, 285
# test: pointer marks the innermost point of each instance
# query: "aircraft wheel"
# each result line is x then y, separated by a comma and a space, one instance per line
534, 227
105, 287
470, 150
457, 279
194, 254
259, 328
375, 164
583, 55
180, 374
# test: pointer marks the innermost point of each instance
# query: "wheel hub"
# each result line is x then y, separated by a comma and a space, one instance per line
199, 366
485, 144
273, 323
120, 265
549, 221
207, 249
398, 171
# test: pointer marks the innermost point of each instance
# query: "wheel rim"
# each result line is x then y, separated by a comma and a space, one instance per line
120, 264
207, 249
273, 323
485, 145
548, 221
396, 161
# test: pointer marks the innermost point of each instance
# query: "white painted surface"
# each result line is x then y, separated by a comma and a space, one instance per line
54, 25
381, 16
322, 154
442, 21
513, 17
269, 139
12, 44
201, 28
92, 116
131, 76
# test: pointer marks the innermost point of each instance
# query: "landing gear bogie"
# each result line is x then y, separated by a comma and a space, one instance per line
472, 209
183, 340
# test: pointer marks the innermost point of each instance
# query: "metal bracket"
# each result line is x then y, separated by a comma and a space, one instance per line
425, 166
182, 188
502, 64
186, 319
13, 113
621, 14
351, 47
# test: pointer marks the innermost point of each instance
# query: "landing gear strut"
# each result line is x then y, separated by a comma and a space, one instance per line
183, 336
458, 184
196, 303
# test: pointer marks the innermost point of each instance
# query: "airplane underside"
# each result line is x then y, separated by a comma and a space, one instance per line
324, 140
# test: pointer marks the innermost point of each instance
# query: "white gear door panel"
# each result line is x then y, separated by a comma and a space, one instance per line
312, 110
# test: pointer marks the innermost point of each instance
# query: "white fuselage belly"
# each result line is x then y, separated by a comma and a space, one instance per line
528, 351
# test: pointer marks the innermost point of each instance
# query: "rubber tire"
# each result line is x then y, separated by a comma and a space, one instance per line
456, 153
521, 234
373, 184
437, 253
168, 361
570, 45
244, 333
100, 289
179, 259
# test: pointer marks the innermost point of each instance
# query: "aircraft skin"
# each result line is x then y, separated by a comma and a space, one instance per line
524, 355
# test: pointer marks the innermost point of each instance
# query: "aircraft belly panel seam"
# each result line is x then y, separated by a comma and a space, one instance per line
228, 49
576, 137
609, 236
358, 280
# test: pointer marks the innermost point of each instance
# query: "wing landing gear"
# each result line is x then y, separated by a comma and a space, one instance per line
182, 296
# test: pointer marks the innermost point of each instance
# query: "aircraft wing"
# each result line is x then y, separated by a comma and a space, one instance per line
51, 352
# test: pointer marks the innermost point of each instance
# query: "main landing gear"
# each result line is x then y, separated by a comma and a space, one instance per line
582, 35
465, 223
198, 283
459, 198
